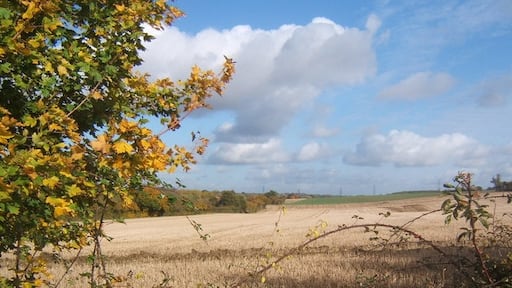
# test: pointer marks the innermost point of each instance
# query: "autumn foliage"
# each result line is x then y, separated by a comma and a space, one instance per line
74, 111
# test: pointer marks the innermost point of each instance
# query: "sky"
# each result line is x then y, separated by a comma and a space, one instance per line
345, 97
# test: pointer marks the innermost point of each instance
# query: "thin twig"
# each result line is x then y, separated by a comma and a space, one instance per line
343, 228
85, 99
68, 267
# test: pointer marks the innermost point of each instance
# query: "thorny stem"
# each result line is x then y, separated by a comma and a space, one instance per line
276, 224
198, 229
412, 221
18, 260
97, 234
68, 267
472, 221
174, 124
344, 228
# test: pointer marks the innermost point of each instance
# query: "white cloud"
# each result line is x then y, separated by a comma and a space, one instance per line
419, 85
249, 153
277, 72
373, 23
309, 151
322, 131
405, 148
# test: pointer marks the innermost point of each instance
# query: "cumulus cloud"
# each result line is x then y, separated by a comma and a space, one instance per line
278, 71
309, 151
419, 85
322, 131
405, 148
249, 153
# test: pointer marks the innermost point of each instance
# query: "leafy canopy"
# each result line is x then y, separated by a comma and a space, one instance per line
73, 117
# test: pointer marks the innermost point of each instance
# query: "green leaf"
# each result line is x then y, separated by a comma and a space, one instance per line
37, 139
5, 13
446, 206
484, 222
448, 219
15, 210
5, 67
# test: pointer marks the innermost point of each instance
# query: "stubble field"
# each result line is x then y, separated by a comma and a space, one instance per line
145, 252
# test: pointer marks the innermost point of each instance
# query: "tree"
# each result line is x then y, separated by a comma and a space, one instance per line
497, 182
274, 198
231, 199
73, 121
152, 200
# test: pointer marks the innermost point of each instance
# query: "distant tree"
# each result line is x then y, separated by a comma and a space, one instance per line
274, 198
497, 182
152, 201
506, 185
234, 200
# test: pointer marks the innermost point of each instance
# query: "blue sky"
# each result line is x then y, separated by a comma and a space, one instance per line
354, 97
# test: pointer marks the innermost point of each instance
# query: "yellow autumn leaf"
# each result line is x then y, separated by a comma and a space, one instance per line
96, 95
5, 135
127, 202
31, 10
101, 144
127, 126
34, 43
194, 74
48, 67
120, 7
63, 71
51, 182
160, 3
118, 164
66, 174
89, 184
51, 26
156, 163
122, 147
55, 202
60, 206
144, 144
157, 144
8, 121
73, 245
54, 127
77, 152
74, 190
145, 132
60, 211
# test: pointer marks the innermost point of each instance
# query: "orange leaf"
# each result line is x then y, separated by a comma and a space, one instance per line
101, 144
96, 95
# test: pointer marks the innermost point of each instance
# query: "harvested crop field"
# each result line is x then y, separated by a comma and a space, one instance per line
144, 252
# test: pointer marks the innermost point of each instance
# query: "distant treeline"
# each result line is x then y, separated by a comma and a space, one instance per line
166, 202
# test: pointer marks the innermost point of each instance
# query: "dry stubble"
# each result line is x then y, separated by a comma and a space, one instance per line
144, 250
